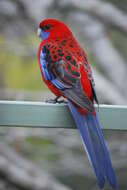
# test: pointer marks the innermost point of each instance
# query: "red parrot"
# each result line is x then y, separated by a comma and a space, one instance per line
65, 70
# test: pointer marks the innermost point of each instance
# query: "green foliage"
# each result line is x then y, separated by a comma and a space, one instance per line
31, 40
38, 141
20, 72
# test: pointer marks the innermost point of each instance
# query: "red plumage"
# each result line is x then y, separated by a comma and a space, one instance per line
62, 45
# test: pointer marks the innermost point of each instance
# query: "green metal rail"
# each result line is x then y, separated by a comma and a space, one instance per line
37, 114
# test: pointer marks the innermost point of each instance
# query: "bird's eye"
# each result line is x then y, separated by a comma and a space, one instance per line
46, 27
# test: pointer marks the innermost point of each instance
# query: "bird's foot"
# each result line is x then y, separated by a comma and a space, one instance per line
55, 100
51, 101
62, 101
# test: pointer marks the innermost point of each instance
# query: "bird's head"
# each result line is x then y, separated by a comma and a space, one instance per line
52, 28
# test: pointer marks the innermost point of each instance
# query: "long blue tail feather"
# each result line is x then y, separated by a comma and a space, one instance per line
95, 146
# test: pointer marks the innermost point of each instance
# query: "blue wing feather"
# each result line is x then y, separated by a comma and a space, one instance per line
58, 84
46, 73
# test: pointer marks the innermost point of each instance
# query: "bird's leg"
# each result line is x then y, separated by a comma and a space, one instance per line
55, 100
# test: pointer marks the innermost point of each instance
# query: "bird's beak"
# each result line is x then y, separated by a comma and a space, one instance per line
38, 32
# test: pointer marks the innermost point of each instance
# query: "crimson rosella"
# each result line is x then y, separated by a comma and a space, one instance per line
65, 70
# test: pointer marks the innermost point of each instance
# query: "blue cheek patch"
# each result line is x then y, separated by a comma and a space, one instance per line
44, 35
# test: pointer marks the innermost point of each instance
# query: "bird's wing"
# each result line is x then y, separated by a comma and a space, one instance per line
60, 71
90, 77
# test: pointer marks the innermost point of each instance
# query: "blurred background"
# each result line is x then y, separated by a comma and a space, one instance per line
54, 159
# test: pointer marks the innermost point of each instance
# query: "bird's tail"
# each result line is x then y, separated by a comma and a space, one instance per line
95, 146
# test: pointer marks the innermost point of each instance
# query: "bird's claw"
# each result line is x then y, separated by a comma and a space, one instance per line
54, 101
51, 101
61, 101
